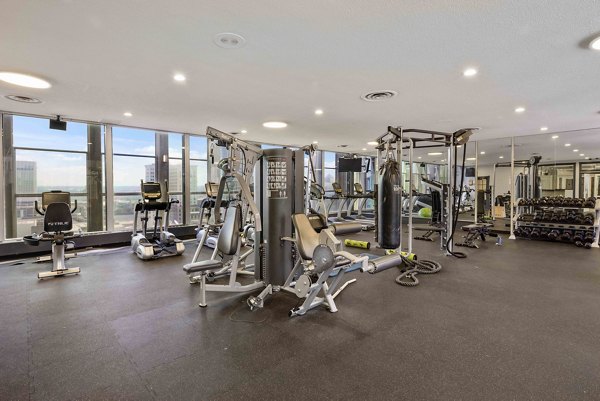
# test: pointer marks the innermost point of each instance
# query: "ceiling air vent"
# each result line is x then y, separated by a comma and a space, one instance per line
378, 96
23, 99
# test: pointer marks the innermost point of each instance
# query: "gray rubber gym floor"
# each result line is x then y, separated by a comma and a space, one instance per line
514, 322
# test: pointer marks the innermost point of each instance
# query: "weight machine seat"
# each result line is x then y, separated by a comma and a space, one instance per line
229, 234
307, 239
427, 227
205, 265
227, 243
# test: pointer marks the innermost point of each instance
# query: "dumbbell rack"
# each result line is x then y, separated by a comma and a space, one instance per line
558, 226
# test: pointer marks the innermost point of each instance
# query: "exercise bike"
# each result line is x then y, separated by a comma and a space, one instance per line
160, 243
58, 223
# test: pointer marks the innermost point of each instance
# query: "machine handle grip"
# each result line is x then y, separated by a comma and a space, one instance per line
37, 208
75, 208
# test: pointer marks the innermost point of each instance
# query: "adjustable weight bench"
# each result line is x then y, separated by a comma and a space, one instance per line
474, 232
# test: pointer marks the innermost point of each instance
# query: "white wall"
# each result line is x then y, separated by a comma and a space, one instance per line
502, 178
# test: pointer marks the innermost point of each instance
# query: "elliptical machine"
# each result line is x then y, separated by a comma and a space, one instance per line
160, 243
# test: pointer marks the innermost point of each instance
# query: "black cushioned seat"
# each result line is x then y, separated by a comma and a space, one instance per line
427, 227
476, 226
203, 266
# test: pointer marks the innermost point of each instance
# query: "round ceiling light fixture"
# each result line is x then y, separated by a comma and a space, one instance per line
228, 40
244, 131
470, 72
319, 112
555, 136
595, 44
482, 152
23, 99
373, 143
520, 109
364, 149
471, 158
127, 114
378, 96
567, 144
28, 81
179, 77
274, 124
544, 129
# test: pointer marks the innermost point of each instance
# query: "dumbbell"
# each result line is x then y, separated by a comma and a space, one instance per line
566, 236
544, 234
553, 235
535, 233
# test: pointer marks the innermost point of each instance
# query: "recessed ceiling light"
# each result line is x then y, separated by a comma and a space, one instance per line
443, 160
274, 124
567, 144
520, 110
587, 158
315, 141
482, 152
318, 112
575, 150
25, 80
228, 40
419, 157
470, 72
373, 143
179, 77
595, 44
544, 129
364, 148
127, 114
471, 158
434, 153
554, 136
500, 157
244, 131
581, 154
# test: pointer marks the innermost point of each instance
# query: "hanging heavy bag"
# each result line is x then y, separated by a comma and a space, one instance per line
389, 198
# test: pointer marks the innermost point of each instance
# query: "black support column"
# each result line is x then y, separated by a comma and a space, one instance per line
162, 158
10, 168
94, 179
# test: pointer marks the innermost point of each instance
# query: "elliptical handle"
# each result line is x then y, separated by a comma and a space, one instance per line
37, 208
75, 208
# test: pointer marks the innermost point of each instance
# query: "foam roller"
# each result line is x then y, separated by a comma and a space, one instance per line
346, 228
357, 244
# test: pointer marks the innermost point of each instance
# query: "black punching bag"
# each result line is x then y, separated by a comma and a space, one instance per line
389, 208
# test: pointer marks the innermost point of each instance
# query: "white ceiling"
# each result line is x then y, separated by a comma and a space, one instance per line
107, 57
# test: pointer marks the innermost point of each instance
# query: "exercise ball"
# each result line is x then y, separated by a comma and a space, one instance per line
425, 213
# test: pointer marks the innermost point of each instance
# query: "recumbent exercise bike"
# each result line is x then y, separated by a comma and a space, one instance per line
58, 223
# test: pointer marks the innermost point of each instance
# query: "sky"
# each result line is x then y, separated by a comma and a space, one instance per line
69, 169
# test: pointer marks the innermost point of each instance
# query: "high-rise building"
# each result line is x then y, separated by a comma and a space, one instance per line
26, 177
150, 175
26, 183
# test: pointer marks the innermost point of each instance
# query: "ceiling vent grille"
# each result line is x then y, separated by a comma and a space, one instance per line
378, 96
23, 99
